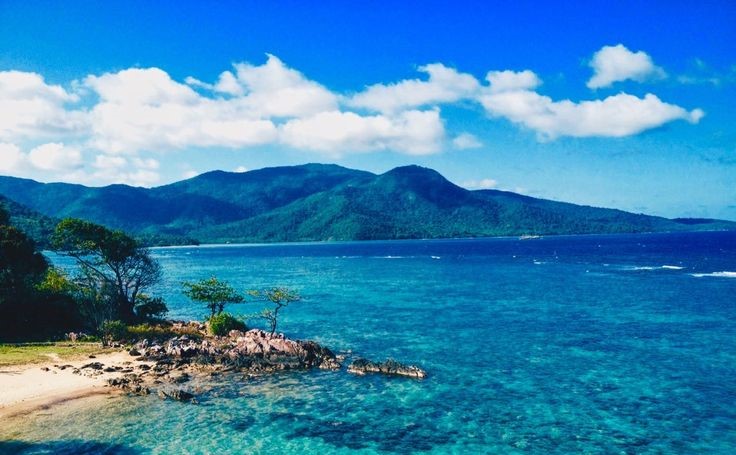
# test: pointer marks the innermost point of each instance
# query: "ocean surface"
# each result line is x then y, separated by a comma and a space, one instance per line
619, 344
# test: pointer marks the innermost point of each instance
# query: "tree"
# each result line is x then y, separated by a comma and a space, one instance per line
279, 297
21, 265
215, 294
111, 263
27, 310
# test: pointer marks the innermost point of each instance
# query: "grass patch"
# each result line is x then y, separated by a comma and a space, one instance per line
160, 331
25, 353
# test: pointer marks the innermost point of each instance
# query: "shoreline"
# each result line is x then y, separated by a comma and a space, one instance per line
431, 239
28, 388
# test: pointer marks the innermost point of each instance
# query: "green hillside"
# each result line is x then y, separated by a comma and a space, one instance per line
326, 202
35, 225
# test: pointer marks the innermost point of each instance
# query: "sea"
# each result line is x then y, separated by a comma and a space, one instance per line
599, 344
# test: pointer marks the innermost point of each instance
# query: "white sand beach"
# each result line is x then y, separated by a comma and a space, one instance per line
27, 388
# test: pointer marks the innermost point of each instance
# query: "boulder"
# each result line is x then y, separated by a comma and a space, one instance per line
175, 394
390, 367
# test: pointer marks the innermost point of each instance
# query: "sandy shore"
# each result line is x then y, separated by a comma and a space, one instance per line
27, 388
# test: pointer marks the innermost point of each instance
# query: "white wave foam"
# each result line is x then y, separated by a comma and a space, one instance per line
436, 257
724, 274
653, 267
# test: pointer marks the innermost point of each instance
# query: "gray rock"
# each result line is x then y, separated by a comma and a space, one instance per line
389, 367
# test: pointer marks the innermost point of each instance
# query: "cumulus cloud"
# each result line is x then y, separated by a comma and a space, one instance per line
55, 156
49, 157
444, 85
31, 108
614, 116
104, 127
144, 109
510, 81
11, 157
133, 171
617, 63
465, 141
414, 132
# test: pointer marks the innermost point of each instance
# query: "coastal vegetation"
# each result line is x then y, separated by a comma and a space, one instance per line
107, 295
213, 293
114, 270
29, 305
279, 298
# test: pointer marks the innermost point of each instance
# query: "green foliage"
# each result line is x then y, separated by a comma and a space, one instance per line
114, 267
26, 312
325, 202
147, 307
56, 281
36, 226
215, 294
279, 298
161, 330
113, 331
222, 323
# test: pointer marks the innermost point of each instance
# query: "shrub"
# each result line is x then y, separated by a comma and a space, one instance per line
113, 331
150, 331
221, 324
150, 307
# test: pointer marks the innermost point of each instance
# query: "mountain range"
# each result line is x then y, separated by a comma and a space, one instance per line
317, 202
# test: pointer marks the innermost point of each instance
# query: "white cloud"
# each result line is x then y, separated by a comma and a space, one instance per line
241, 169
444, 85
509, 81
146, 163
118, 169
414, 132
616, 63
190, 174
31, 108
55, 156
465, 141
144, 109
11, 157
482, 184
614, 116
274, 90
104, 128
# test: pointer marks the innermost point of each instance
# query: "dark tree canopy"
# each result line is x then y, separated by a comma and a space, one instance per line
26, 311
20, 264
111, 259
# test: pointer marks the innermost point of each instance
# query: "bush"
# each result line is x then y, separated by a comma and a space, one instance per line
150, 332
148, 308
113, 331
221, 324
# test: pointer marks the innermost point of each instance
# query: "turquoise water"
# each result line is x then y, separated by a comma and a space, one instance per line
591, 344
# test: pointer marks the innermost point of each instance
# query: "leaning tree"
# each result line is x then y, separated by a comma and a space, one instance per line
109, 260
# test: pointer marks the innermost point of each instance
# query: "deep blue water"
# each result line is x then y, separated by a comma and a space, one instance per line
581, 344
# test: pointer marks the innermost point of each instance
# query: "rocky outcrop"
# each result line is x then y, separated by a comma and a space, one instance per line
189, 360
176, 395
362, 366
254, 350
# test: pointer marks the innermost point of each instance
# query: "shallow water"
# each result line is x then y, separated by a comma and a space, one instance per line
589, 344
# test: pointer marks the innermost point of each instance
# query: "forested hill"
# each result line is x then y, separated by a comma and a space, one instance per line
323, 202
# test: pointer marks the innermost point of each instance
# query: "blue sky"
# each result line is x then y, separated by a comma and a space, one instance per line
628, 105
